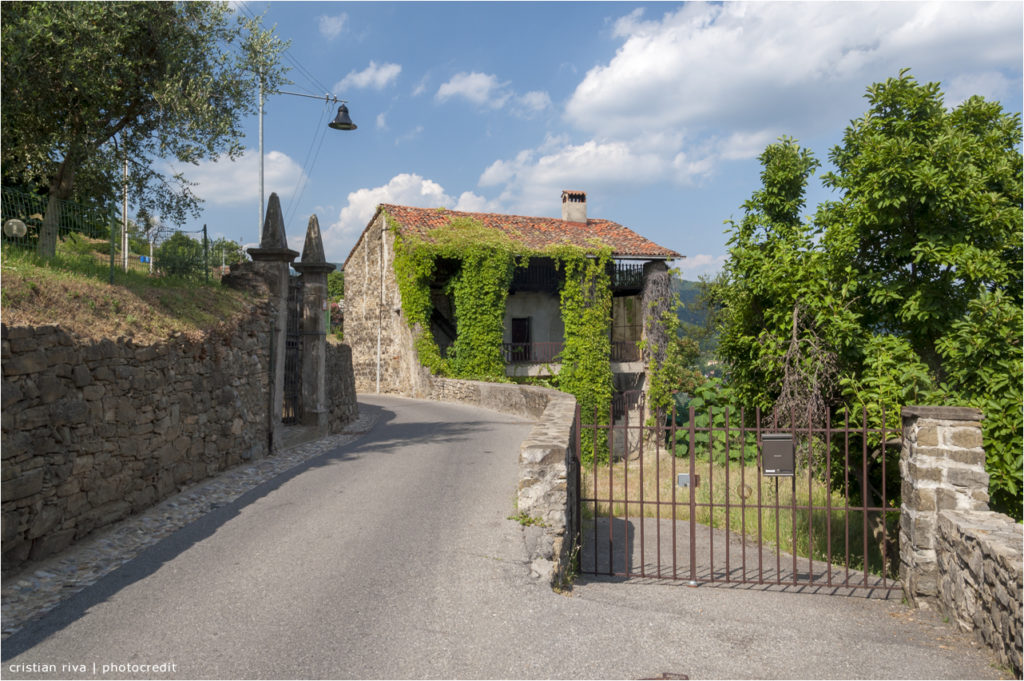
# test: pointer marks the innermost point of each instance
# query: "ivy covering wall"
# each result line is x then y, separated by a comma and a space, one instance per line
478, 288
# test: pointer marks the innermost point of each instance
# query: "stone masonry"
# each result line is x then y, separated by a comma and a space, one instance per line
95, 431
955, 554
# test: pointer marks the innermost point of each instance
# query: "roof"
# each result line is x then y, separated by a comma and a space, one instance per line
533, 232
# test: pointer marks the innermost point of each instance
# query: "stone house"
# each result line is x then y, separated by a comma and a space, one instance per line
383, 357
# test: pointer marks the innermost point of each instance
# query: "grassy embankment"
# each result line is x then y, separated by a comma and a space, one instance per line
73, 291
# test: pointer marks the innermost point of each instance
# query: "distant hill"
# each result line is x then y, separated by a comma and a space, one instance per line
688, 292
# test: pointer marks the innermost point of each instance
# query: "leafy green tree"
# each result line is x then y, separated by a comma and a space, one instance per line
336, 285
930, 210
86, 85
226, 251
180, 256
909, 284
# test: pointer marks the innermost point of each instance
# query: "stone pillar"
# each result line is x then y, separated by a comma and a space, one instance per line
272, 261
943, 468
314, 269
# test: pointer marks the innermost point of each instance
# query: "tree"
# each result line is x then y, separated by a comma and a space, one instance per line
87, 85
336, 285
180, 256
930, 213
909, 282
226, 251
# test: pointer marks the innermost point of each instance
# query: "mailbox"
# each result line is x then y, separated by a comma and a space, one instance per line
777, 454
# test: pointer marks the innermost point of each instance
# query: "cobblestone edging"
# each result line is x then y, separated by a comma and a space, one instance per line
980, 578
46, 584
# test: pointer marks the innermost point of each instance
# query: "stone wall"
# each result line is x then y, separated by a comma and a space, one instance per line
94, 431
955, 554
341, 387
980, 578
548, 473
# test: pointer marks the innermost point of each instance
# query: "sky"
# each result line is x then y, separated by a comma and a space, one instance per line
658, 111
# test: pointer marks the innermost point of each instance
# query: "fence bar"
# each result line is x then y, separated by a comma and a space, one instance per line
693, 499
828, 497
864, 486
743, 495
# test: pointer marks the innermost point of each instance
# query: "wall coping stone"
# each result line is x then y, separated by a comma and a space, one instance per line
943, 413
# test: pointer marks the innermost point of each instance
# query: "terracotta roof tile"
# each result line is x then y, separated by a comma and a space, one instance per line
533, 232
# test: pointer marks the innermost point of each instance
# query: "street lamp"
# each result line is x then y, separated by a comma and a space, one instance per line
340, 122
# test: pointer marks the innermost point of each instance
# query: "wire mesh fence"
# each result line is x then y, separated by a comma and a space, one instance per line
97, 234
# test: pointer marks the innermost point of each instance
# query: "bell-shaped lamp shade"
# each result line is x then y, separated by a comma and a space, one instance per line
342, 121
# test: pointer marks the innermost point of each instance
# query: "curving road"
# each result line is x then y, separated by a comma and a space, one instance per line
393, 557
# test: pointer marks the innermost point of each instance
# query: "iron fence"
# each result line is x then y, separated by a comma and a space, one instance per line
692, 499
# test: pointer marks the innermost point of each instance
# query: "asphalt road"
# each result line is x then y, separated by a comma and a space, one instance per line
393, 557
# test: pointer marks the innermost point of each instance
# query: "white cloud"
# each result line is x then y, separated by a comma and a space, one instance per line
759, 66
226, 182
479, 88
406, 189
331, 27
695, 266
534, 102
535, 177
373, 76
382, 121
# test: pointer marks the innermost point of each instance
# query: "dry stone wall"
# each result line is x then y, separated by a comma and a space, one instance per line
955, 554
96, 430
980, 578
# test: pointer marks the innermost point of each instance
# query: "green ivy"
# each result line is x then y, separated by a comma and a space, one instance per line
586, 306
486, 261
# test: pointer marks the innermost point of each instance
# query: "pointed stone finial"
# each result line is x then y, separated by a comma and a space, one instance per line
273, 236
313, 249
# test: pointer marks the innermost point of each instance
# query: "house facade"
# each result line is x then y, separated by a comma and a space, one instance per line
383, 354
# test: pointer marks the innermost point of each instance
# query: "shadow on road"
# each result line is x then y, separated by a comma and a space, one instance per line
383, 438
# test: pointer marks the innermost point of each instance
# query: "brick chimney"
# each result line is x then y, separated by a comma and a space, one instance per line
574, 206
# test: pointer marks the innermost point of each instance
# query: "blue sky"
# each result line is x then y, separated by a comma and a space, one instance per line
657, 110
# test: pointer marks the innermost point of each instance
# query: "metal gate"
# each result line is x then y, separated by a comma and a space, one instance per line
293, 354
713, 496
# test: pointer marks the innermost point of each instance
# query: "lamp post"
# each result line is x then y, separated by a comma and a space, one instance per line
340, 122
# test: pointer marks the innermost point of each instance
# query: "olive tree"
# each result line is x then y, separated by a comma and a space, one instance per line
91, 86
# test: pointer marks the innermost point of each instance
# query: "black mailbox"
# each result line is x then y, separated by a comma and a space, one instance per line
777, 454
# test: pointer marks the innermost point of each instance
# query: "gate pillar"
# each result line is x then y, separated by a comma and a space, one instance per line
943, 468
272, 261
314, 269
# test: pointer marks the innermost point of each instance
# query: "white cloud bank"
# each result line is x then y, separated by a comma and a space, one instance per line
695, 266
711, 83
406, 189
227, 183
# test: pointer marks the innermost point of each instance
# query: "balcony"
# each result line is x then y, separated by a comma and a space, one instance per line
531, 353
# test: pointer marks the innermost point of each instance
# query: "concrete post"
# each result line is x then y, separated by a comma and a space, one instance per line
271, 261
943, 468
314, 269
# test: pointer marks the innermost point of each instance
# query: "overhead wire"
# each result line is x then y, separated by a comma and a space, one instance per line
316, 143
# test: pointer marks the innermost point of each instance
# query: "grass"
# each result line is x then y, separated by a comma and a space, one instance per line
798, 515
73, 290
